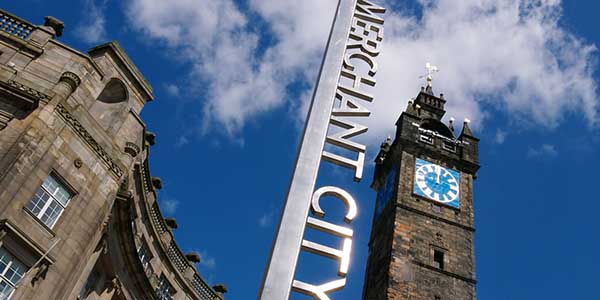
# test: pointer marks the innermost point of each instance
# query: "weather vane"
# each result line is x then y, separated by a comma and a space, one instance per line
430, 70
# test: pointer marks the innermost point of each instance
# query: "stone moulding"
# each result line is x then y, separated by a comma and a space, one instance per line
171, 250
83, 133
24, 90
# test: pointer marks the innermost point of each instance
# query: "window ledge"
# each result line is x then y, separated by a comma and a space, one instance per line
8, 226
37, 220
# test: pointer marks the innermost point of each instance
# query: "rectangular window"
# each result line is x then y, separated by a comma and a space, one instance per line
11, 272
449, 146
426, 139
49, 201
144, 255
164, 290
438, 259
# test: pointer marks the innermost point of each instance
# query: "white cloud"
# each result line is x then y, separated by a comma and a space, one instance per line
168, 205
182, 141
510, 54
172, 90
500, 137
93, 30
542, 150
265, 220
207, 260
242, 80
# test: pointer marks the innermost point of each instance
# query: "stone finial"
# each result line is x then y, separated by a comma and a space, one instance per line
429, 90
157, 183
451, 124
172, 223
55, 24
385, 148
411, 107
386, 144
220, 288
150, 138
466, 131
193, 257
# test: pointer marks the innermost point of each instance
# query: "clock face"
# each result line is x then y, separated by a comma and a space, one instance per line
437, 183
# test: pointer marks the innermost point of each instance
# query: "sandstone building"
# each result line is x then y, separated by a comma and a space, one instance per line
79, 217
421, 245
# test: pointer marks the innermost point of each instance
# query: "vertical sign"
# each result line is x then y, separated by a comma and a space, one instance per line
348, 68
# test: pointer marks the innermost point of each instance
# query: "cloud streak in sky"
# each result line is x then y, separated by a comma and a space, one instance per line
92, 30
512, 55
545, 150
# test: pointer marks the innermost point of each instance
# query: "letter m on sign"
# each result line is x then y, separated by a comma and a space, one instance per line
369, 12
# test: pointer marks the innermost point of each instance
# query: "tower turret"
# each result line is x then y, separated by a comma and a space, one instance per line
422, 239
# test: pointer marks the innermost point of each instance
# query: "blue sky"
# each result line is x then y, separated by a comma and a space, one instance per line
232, 79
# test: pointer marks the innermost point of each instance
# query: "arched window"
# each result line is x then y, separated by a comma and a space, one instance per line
109, 106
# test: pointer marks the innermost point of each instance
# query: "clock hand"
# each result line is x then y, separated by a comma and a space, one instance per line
438, 172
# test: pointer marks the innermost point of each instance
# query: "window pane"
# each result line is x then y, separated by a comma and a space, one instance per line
163, 291
4, 260
63, 196
51, 184
51, 213
57, 189
5, 290
49, 201
39, 200
143, 255
11, 273
15, 272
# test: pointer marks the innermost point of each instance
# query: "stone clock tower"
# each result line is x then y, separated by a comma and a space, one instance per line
422, 240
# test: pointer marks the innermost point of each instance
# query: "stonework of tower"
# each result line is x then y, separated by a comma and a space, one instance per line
79, 217
422, 239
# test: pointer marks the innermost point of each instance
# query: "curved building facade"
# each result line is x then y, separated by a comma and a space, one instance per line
79, 217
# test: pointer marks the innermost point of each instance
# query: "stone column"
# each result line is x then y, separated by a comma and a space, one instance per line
66, 86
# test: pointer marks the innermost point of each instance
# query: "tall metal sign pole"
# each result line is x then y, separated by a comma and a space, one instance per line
354, 42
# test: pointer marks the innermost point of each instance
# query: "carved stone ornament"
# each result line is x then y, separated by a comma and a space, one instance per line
28, 91
71, 79
55, 24
124, 193
40, 273
220, 288
439, 239
193, 257
150, 138
132, 149
78, 163
157, 182
87, 137
116, 285
172, 223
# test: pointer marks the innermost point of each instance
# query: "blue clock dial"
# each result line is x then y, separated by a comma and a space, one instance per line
437, 183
